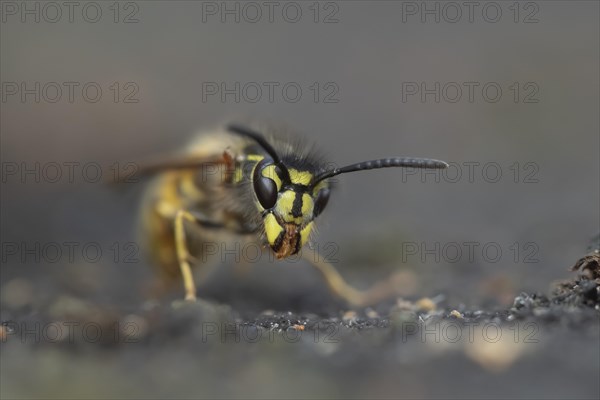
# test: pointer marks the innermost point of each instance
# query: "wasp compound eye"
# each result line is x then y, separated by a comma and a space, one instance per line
265, 189
321, 201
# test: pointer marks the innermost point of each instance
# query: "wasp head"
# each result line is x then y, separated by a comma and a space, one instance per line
289, 204
290, 197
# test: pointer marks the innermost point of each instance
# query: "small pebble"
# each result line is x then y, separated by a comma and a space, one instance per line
349, 316
456, 314
426, 304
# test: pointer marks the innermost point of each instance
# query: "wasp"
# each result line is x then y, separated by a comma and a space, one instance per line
240, 184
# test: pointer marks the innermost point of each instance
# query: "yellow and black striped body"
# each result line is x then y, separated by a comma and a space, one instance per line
222, 195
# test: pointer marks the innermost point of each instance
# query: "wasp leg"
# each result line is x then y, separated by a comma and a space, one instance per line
181, 246
183, 255
338, 286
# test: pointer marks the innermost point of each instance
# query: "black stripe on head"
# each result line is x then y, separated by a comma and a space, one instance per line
297, 205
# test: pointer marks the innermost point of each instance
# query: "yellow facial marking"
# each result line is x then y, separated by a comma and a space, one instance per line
300, 177
284, 206
320, 185
269, 172
272, 228
254, 157
307, 205
305, 234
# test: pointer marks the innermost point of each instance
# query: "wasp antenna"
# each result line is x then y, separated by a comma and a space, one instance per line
257, 137
404, 162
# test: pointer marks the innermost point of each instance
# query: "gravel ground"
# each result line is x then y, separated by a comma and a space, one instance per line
543, 346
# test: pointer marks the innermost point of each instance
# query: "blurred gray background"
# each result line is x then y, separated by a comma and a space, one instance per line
363, 55
175, 51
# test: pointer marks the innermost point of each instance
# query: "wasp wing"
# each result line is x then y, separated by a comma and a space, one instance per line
133, 172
